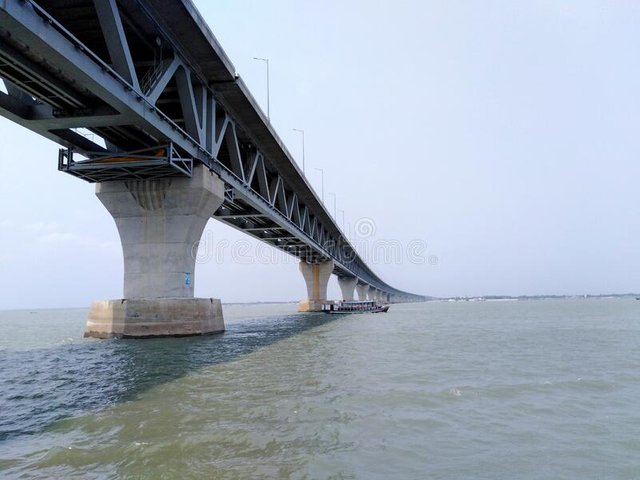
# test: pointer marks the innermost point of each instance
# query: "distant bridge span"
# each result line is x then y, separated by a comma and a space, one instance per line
176, 138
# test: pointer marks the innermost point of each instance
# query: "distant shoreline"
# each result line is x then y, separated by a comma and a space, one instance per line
506, 298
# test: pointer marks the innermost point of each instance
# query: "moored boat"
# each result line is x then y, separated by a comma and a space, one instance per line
353, 306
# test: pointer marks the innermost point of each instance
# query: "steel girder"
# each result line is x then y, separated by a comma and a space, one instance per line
116, 69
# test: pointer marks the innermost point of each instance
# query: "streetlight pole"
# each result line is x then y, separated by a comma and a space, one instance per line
322, 172
342, 212
335, 203
302, 132
266, 60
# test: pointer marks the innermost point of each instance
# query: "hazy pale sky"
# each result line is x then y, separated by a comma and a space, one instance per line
502, 135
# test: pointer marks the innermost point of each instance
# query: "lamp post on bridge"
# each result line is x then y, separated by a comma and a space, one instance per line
322, 173
343, 230
266, 60
302, 132
335, 206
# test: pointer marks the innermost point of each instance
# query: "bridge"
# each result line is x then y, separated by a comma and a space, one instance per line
147, 106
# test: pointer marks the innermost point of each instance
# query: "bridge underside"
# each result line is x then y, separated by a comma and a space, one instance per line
121, 93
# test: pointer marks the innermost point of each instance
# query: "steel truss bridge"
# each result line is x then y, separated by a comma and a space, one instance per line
158, 95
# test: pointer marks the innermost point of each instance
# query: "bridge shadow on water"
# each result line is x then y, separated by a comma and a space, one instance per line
40, 387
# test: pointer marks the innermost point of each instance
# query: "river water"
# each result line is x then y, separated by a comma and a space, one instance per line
485, 390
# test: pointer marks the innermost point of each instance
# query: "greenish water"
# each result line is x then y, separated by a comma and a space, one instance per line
491, 390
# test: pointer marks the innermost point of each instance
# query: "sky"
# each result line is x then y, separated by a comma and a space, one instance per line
492, 147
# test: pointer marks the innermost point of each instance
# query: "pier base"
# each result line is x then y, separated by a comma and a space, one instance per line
158, 317
312, 305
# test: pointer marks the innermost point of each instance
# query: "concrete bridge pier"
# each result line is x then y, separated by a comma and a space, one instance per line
362, 289
372, 294
347, 287
160, 223
316, 276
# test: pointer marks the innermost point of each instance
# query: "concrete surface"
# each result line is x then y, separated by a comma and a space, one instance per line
316, 277
160, 223
347, 287
159, 317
